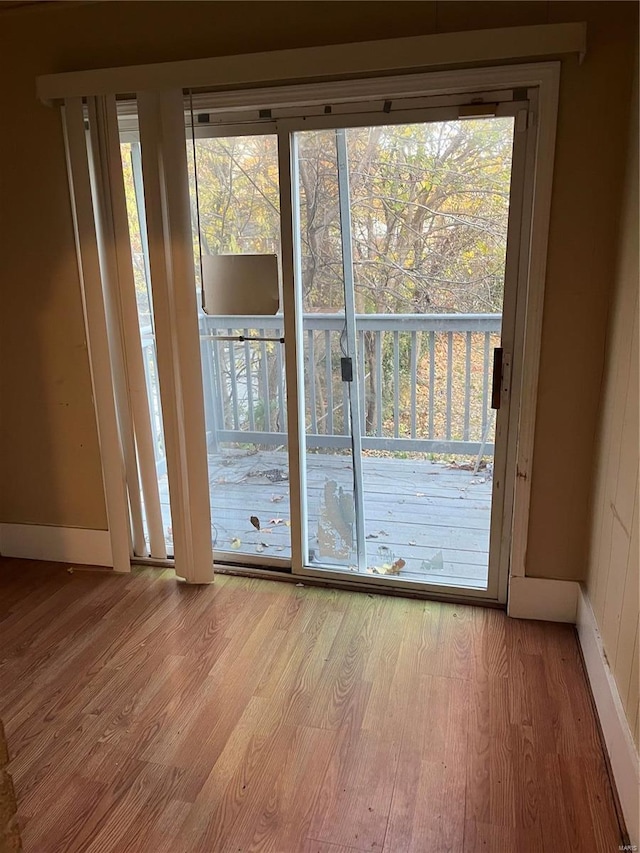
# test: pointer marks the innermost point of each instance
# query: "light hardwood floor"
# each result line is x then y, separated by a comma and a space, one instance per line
146, 715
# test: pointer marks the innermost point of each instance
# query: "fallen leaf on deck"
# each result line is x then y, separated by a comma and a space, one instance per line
236, 543
421, 494
412, 542
255, 521
371, 536
382, 533
387, 568
275, 499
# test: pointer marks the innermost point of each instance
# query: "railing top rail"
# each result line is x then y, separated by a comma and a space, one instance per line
366, 322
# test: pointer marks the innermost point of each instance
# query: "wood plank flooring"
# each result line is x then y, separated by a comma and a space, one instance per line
147, 715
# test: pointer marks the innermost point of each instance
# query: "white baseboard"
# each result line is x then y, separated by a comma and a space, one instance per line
59, 544
540, 598
623, 755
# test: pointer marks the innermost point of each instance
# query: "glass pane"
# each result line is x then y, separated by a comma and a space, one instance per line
235, 202
329, 459
429, 206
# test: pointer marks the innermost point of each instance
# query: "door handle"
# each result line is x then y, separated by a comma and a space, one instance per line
496, 381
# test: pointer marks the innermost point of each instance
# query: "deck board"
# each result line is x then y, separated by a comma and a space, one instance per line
434, 516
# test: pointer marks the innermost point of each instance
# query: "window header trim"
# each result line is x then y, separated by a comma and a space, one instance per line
314, 64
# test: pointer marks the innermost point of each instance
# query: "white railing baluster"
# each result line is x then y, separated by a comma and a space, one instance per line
467, 385
248, 380
414, 382
485, 381
396, 383
206, 351
311, 356
282, 407
449, 382
363, 382
379, 394
234, 383
264, 394
432, 381
220, 397
328, 366
345, 408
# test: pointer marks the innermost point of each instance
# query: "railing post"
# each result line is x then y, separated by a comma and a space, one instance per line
206, 347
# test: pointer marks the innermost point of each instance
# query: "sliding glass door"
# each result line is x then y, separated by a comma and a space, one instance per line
403, 240
356, 277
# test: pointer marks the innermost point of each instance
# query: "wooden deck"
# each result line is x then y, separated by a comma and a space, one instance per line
432, 516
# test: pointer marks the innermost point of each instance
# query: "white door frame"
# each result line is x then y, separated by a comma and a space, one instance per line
529, 221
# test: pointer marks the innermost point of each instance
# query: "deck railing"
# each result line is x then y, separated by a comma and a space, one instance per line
424, 381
